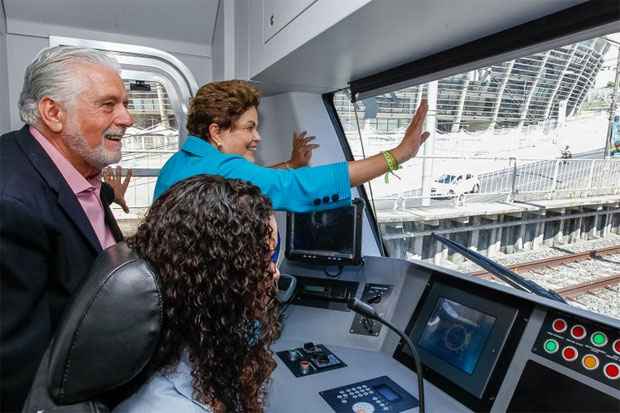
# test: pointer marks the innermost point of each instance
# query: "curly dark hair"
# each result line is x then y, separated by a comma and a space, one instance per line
208, 237
221, 103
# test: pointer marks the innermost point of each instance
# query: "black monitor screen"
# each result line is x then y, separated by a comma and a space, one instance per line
456, 334
319, 231
331, 236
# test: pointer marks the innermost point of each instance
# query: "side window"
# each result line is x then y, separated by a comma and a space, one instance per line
153, 138
505, 124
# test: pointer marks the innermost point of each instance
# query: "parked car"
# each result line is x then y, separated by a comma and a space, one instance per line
449, 185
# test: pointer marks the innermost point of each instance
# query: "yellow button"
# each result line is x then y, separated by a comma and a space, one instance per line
590, 361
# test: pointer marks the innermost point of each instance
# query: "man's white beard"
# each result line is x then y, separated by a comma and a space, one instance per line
98, 157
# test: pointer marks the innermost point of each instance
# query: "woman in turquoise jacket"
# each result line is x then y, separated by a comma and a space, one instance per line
223, 122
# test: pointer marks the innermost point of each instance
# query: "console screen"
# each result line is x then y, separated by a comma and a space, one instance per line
456, 334
331, 230
385, 391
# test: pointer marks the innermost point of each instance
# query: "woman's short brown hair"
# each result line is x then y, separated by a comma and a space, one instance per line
221, 103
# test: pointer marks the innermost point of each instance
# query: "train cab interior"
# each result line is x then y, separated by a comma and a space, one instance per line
479, 344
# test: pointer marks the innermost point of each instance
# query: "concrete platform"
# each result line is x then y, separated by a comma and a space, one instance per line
431, 214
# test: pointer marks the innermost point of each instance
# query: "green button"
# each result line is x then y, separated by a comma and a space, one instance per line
599, 339
551, 346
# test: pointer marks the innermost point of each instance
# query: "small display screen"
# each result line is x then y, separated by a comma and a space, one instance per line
387, 393
456, 334
330, 231
319, 289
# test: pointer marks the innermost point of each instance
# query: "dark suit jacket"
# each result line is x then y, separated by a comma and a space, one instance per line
47, 246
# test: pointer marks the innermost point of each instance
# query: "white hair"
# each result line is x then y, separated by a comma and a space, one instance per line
52, 74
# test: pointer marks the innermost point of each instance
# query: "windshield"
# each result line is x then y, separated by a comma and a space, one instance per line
446, 179
505, 124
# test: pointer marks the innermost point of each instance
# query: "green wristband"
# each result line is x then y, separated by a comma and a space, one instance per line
391, 161
392, 165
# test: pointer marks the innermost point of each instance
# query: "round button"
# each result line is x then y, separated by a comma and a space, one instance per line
578, 332
599, 339
616, 346
559, 325
590, 362
570, 353
363, 407
551, 346
304, 366
612, 371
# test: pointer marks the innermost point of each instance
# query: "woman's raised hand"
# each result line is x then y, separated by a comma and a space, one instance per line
414, 137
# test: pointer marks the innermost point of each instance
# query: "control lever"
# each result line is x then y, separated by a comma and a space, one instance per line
366, 310
286, 287
367, 325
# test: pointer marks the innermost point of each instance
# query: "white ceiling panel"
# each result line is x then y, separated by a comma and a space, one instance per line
189, 21
388, 33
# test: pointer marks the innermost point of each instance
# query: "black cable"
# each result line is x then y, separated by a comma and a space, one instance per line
416, 359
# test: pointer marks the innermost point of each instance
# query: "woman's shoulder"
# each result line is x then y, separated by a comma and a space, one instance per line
165, 392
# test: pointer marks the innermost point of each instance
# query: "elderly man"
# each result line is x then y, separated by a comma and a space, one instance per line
54, 214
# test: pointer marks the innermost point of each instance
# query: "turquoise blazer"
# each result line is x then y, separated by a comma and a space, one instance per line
296, 190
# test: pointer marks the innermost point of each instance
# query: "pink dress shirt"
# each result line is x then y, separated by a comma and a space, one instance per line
86, 191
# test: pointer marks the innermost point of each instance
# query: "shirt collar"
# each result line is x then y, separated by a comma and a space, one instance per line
181, 379
198, 146
75, 180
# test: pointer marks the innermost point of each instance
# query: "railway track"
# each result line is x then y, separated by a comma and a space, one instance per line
575, 290
555, 261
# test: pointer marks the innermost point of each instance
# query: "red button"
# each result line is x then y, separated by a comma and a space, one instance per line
570, 353
578, 332
617, 346
559, 325
612, 371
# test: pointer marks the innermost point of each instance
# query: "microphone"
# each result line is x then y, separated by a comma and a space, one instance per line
363, 309
368, 311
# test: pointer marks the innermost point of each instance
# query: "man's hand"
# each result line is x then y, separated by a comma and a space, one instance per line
112, 176
302, 150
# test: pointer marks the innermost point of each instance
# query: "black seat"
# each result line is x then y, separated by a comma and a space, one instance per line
106, 338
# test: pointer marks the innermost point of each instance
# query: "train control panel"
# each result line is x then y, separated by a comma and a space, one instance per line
483, 346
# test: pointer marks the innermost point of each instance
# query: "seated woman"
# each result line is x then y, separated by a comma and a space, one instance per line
211, 241
223, 127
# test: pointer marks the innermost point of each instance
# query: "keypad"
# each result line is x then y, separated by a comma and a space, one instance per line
368, 396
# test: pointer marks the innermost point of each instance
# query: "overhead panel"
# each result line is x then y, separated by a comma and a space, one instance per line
277, 14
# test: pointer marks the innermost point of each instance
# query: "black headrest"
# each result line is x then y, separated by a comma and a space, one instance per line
110, 330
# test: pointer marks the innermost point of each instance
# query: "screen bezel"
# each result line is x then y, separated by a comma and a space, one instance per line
326, 258
476, 382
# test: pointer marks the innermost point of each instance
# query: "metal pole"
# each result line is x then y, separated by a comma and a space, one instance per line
428, 148
513, 190
612, 109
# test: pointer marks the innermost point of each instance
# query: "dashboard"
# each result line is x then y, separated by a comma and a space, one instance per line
483, 346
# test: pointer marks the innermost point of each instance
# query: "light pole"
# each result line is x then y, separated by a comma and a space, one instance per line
612, 107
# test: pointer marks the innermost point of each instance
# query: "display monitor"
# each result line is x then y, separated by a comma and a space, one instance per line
460, 336
456, 333
329, 237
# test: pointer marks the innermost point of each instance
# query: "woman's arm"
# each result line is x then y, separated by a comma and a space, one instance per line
366, 169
